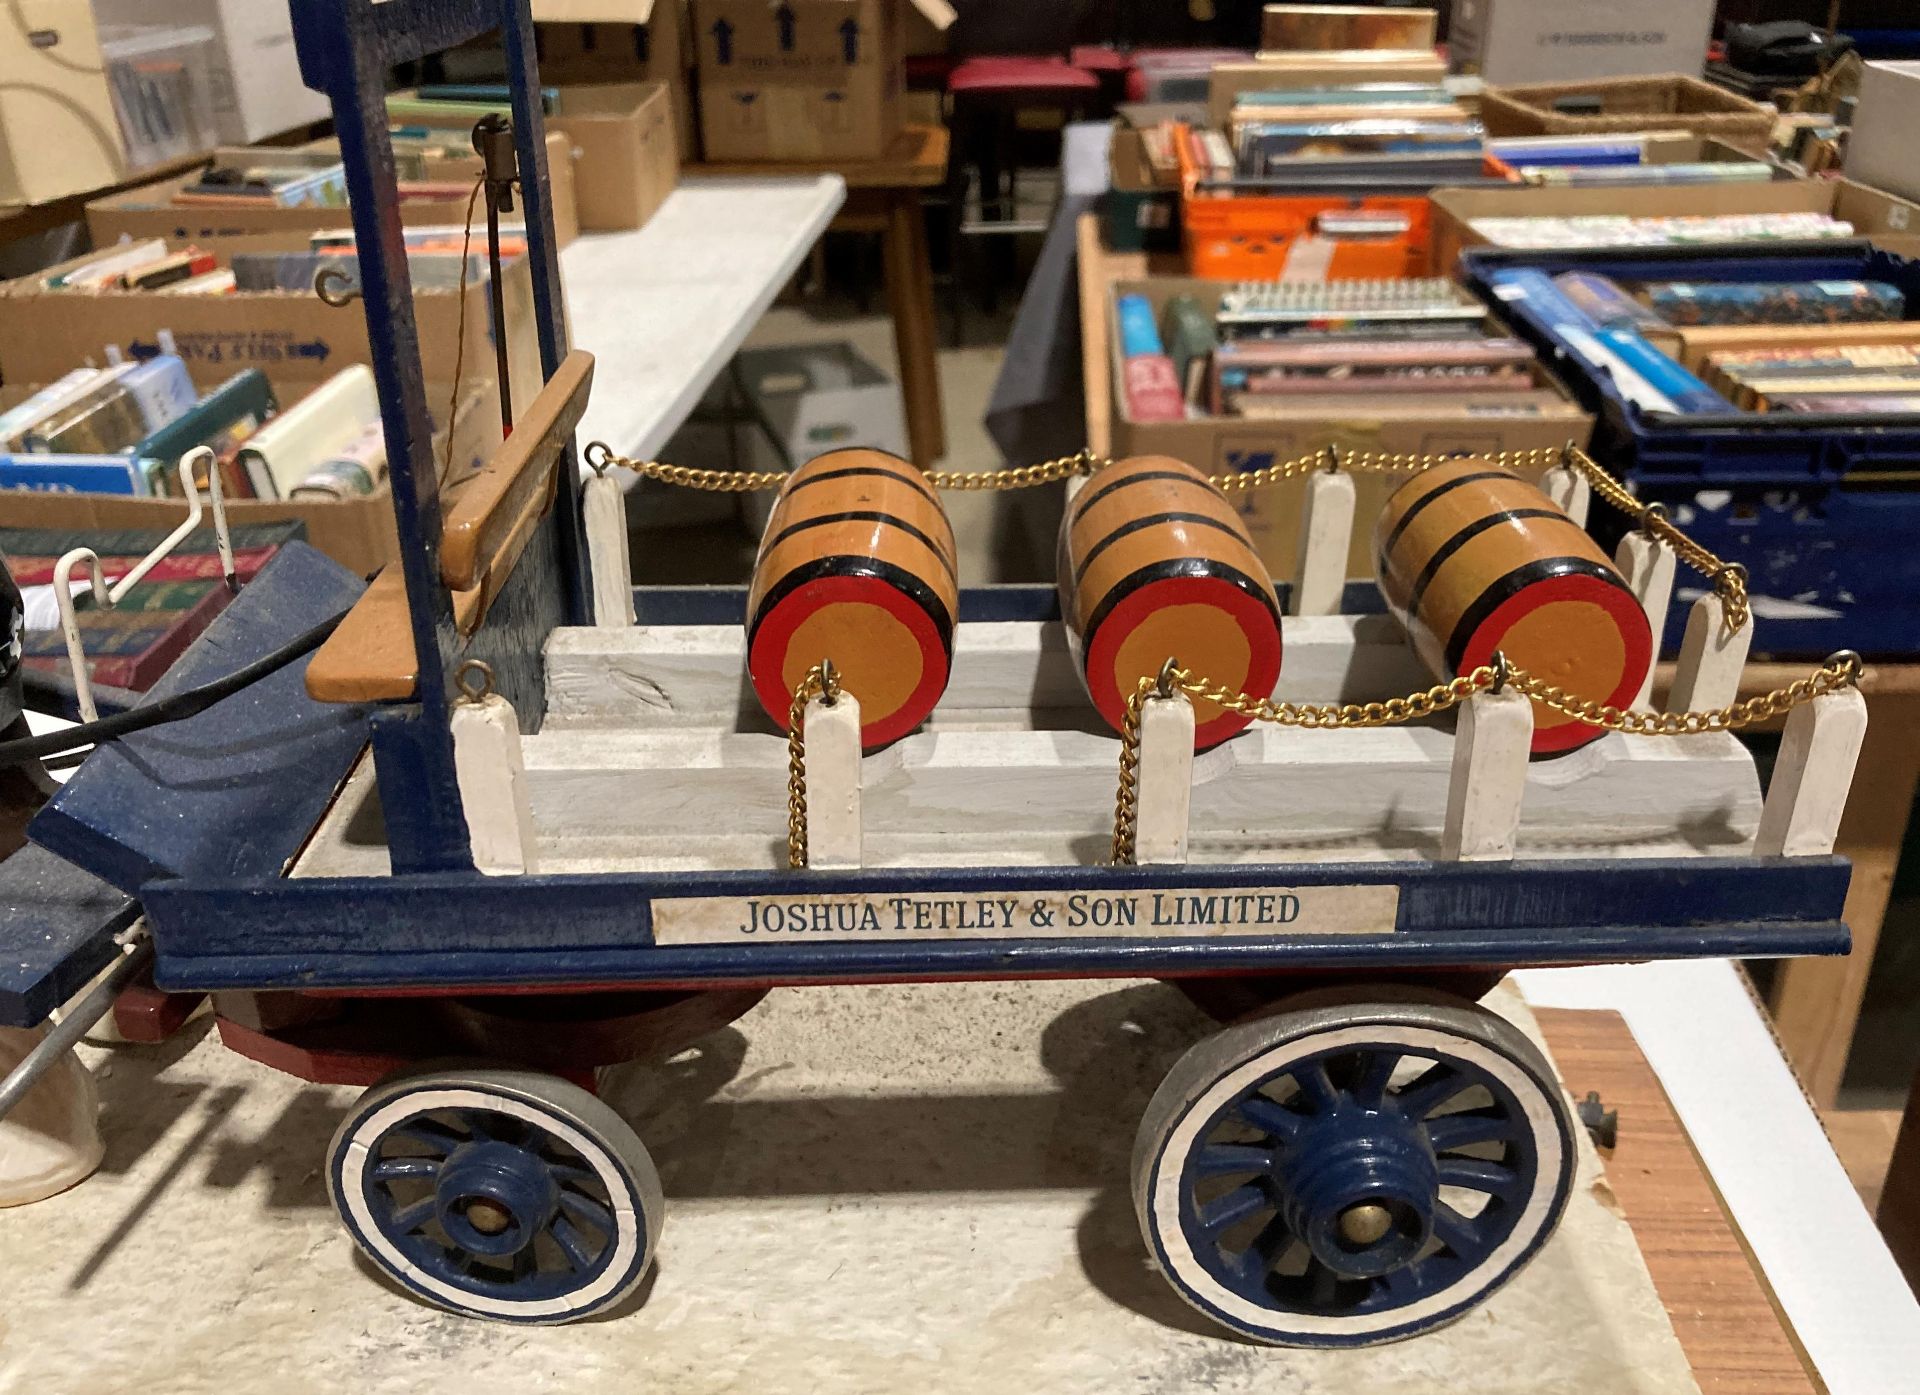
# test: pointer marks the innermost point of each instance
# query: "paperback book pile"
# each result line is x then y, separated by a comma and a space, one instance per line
1385, 131
133, 643
1620, 230
1293, 347
1876, 379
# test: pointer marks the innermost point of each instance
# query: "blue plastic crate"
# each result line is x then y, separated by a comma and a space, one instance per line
1823, 510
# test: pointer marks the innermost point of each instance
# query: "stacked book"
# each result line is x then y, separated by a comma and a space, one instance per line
124, 430
1291, 347
1873, 379
133, 643
1677, 230
1379, 131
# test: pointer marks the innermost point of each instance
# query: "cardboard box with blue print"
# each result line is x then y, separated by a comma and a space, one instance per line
298, 342
803, 79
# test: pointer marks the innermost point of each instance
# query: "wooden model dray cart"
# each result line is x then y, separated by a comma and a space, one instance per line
498, 816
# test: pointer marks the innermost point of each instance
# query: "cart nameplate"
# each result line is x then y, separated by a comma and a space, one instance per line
1158, 913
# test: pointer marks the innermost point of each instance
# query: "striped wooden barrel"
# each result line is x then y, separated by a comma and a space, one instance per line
1473, 559
1154, 564
856, 565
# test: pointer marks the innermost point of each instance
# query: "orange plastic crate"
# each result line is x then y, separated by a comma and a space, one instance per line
1265, 237
1269, 236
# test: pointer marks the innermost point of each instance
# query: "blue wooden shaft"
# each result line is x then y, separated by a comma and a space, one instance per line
530, 135
446, 930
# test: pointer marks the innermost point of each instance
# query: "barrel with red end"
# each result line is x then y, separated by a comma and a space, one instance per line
1472, 559
1154, 564
857, 566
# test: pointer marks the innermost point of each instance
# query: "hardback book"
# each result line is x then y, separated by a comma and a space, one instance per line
72, 474
132, 644
223, 421
115, 262
285, 451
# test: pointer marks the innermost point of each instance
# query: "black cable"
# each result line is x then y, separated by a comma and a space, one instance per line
170, 709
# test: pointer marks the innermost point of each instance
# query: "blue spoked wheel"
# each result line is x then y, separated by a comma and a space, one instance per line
500, 1194
1349, 1174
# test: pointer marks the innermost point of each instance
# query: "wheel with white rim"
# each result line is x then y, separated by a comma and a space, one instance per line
1348, 1174
500, 1194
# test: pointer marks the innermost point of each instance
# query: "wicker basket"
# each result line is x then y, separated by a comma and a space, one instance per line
1630, 105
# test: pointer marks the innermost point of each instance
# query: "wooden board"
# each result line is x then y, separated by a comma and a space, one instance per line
1721, 1308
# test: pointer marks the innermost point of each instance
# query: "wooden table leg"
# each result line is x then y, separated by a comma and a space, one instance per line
909, 276
1817, 1001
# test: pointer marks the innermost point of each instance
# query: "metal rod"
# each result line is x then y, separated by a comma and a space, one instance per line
73, 1026
497, 294
493, 140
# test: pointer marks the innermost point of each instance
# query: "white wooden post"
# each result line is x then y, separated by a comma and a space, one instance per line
1326, 529
1165, 793
1711, 658
833, 781
1648, 564
1569, 489
1491, 747
605, 512
492, 777
1808, 792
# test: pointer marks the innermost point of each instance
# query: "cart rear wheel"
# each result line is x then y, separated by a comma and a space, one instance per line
1352, 1173
502, 1194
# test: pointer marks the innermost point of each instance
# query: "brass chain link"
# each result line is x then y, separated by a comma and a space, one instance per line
1839, 671
600, 457
1729, 579
822, 682
1081, 462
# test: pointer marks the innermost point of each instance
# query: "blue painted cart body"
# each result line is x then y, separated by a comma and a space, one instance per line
436, 924
190, 820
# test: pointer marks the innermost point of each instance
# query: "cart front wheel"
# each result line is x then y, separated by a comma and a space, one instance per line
500, 1194
1352, 1173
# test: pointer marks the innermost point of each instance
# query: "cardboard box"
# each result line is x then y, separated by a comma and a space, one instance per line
1219, 445
257, 91
804, 80
1228, 80
597, 41
625, 151
1882, 217
357, 533
815, 398
1550, 40
1886, 119
1629, 106
149, 210
294, 337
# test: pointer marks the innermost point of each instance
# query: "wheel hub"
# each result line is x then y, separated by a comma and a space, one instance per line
492, 1198
1359, 1188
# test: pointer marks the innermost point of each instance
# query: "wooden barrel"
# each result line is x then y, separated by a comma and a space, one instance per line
1154, 564
856, 565
1473, 559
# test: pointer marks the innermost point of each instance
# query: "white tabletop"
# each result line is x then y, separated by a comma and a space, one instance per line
1767, 1154
664, 307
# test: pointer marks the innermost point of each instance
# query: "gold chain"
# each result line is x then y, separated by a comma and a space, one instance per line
1839, 671
820, 681
600, 456
1082, 462
1729, 579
